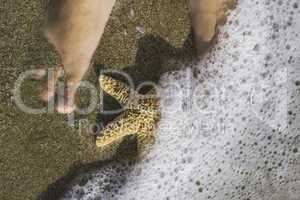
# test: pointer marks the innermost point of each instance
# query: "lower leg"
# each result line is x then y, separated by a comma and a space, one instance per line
79, 44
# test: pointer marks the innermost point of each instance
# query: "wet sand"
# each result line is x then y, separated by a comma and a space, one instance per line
36, 150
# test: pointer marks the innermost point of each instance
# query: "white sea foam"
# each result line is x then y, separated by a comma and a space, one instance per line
234, 131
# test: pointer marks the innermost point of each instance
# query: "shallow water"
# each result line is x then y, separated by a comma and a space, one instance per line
232, 131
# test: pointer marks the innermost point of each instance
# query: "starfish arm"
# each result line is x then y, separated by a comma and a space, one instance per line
122, 126
127, 96
131, 122
139, 118
146, 104
117, 89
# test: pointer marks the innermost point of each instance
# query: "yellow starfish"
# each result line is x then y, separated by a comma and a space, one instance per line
139, 118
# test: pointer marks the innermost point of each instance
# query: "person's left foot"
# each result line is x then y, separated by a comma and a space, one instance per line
39, 73
66, 102
47, 94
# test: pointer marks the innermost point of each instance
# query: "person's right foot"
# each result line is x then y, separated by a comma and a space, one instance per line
66, 102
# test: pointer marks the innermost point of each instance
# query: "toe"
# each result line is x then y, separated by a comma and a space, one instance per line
39, 74
47, 95
65, 109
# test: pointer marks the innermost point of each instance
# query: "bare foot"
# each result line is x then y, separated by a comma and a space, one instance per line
65, 108
66, 103
53, 75
47, 94
204, 47
39, 73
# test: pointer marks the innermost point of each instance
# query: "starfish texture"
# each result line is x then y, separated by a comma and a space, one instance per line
139, 118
